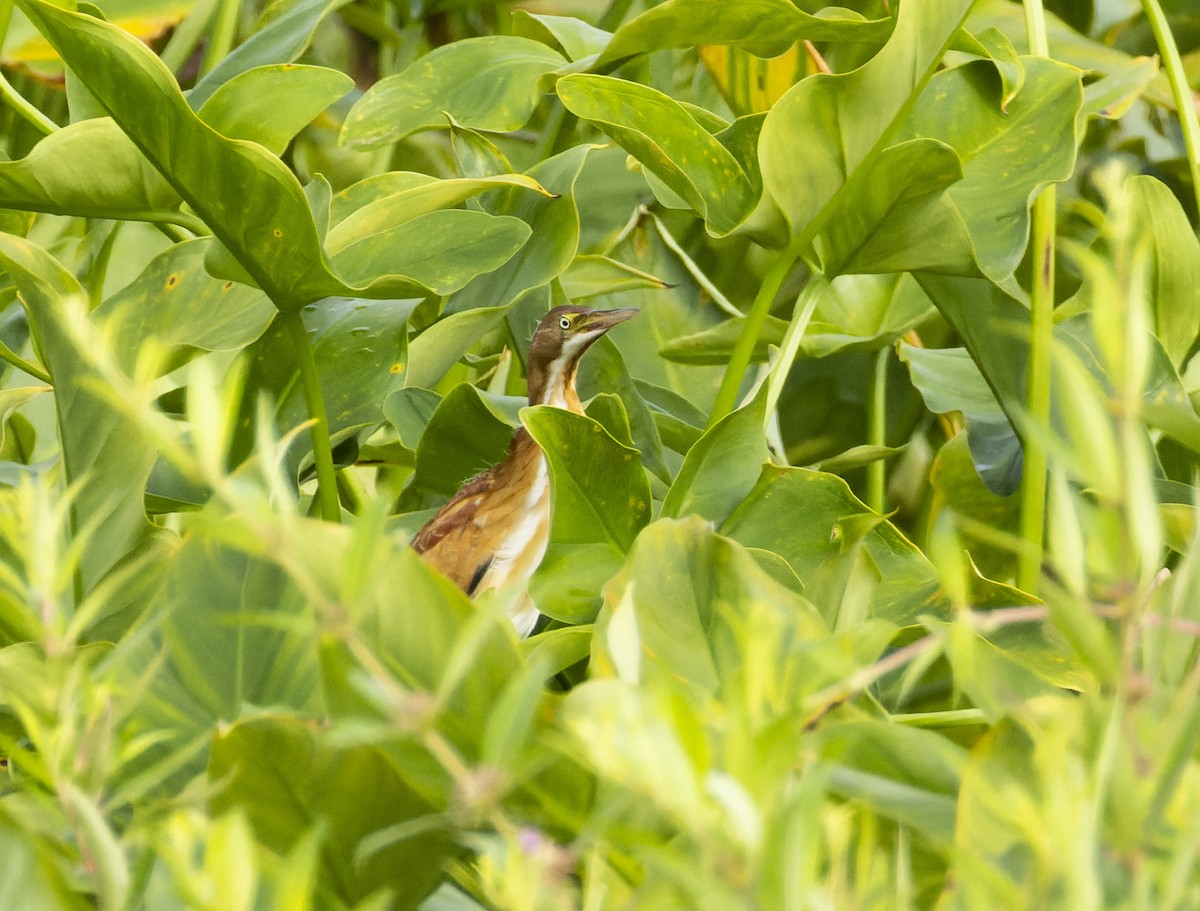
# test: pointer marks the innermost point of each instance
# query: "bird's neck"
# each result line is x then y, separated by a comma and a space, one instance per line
554, 384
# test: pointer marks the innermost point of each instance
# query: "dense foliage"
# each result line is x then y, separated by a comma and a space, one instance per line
872, 580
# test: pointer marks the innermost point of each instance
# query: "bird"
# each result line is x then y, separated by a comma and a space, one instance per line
494, 530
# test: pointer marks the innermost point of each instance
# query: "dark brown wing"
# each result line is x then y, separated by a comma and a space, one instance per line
459, 511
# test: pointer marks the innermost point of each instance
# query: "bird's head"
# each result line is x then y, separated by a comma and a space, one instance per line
561, 338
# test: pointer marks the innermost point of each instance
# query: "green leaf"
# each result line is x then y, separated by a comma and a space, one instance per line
281, 40
949, 381
765, 28
1025, 143
555, 223
902, 773
701, 607
601, 500
235, 633
715, 345
439, 347
271, 104
591, 275
29, 877
118, 183
491, 83
441, 251
572, 36
446, 456
175, 302
360, 352
288, 780
722, 467
413, 195
667, 139
249, 199
842, 121
604, 371
101, 446
804, 516
872, 229
863, 313
1174, 267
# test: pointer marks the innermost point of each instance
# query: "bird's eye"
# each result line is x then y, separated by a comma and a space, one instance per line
564, 322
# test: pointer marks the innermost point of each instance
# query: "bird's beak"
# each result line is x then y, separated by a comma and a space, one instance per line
600, 321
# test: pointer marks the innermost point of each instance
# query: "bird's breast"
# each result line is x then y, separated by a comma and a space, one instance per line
527, 529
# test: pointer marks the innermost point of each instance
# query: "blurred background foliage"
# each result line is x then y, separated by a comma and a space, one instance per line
267, 277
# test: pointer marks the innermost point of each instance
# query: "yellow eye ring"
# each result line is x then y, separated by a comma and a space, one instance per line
564, 322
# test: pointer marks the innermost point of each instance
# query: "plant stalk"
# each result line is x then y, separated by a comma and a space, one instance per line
1181, 92
877, 433
327, 493
1033, 481
756, 318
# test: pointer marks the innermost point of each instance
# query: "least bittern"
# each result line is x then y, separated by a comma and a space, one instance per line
494, 530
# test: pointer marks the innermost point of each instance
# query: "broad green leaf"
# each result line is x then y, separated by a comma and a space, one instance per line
439, 347
249, 199
993, 45
29, 877
766, 28
840, 121
1175, 264
703, 610
422, 628
409, 412
804, 516
446, 455
234, 633
424, 195
863, 313
555, 223
1026, 143
669, 142
117, 183
891, 192
601, 500
490, 83
441, 251
722, 467
360, 351
102, 448
281, 40
288, 780
604, 371
271, 104
949, 381
572, 36
178, 304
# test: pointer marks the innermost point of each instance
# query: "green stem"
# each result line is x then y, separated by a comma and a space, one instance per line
1180, 90
876, 471
17, 101
756, 318
7, 354
327, 494
1033, 482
